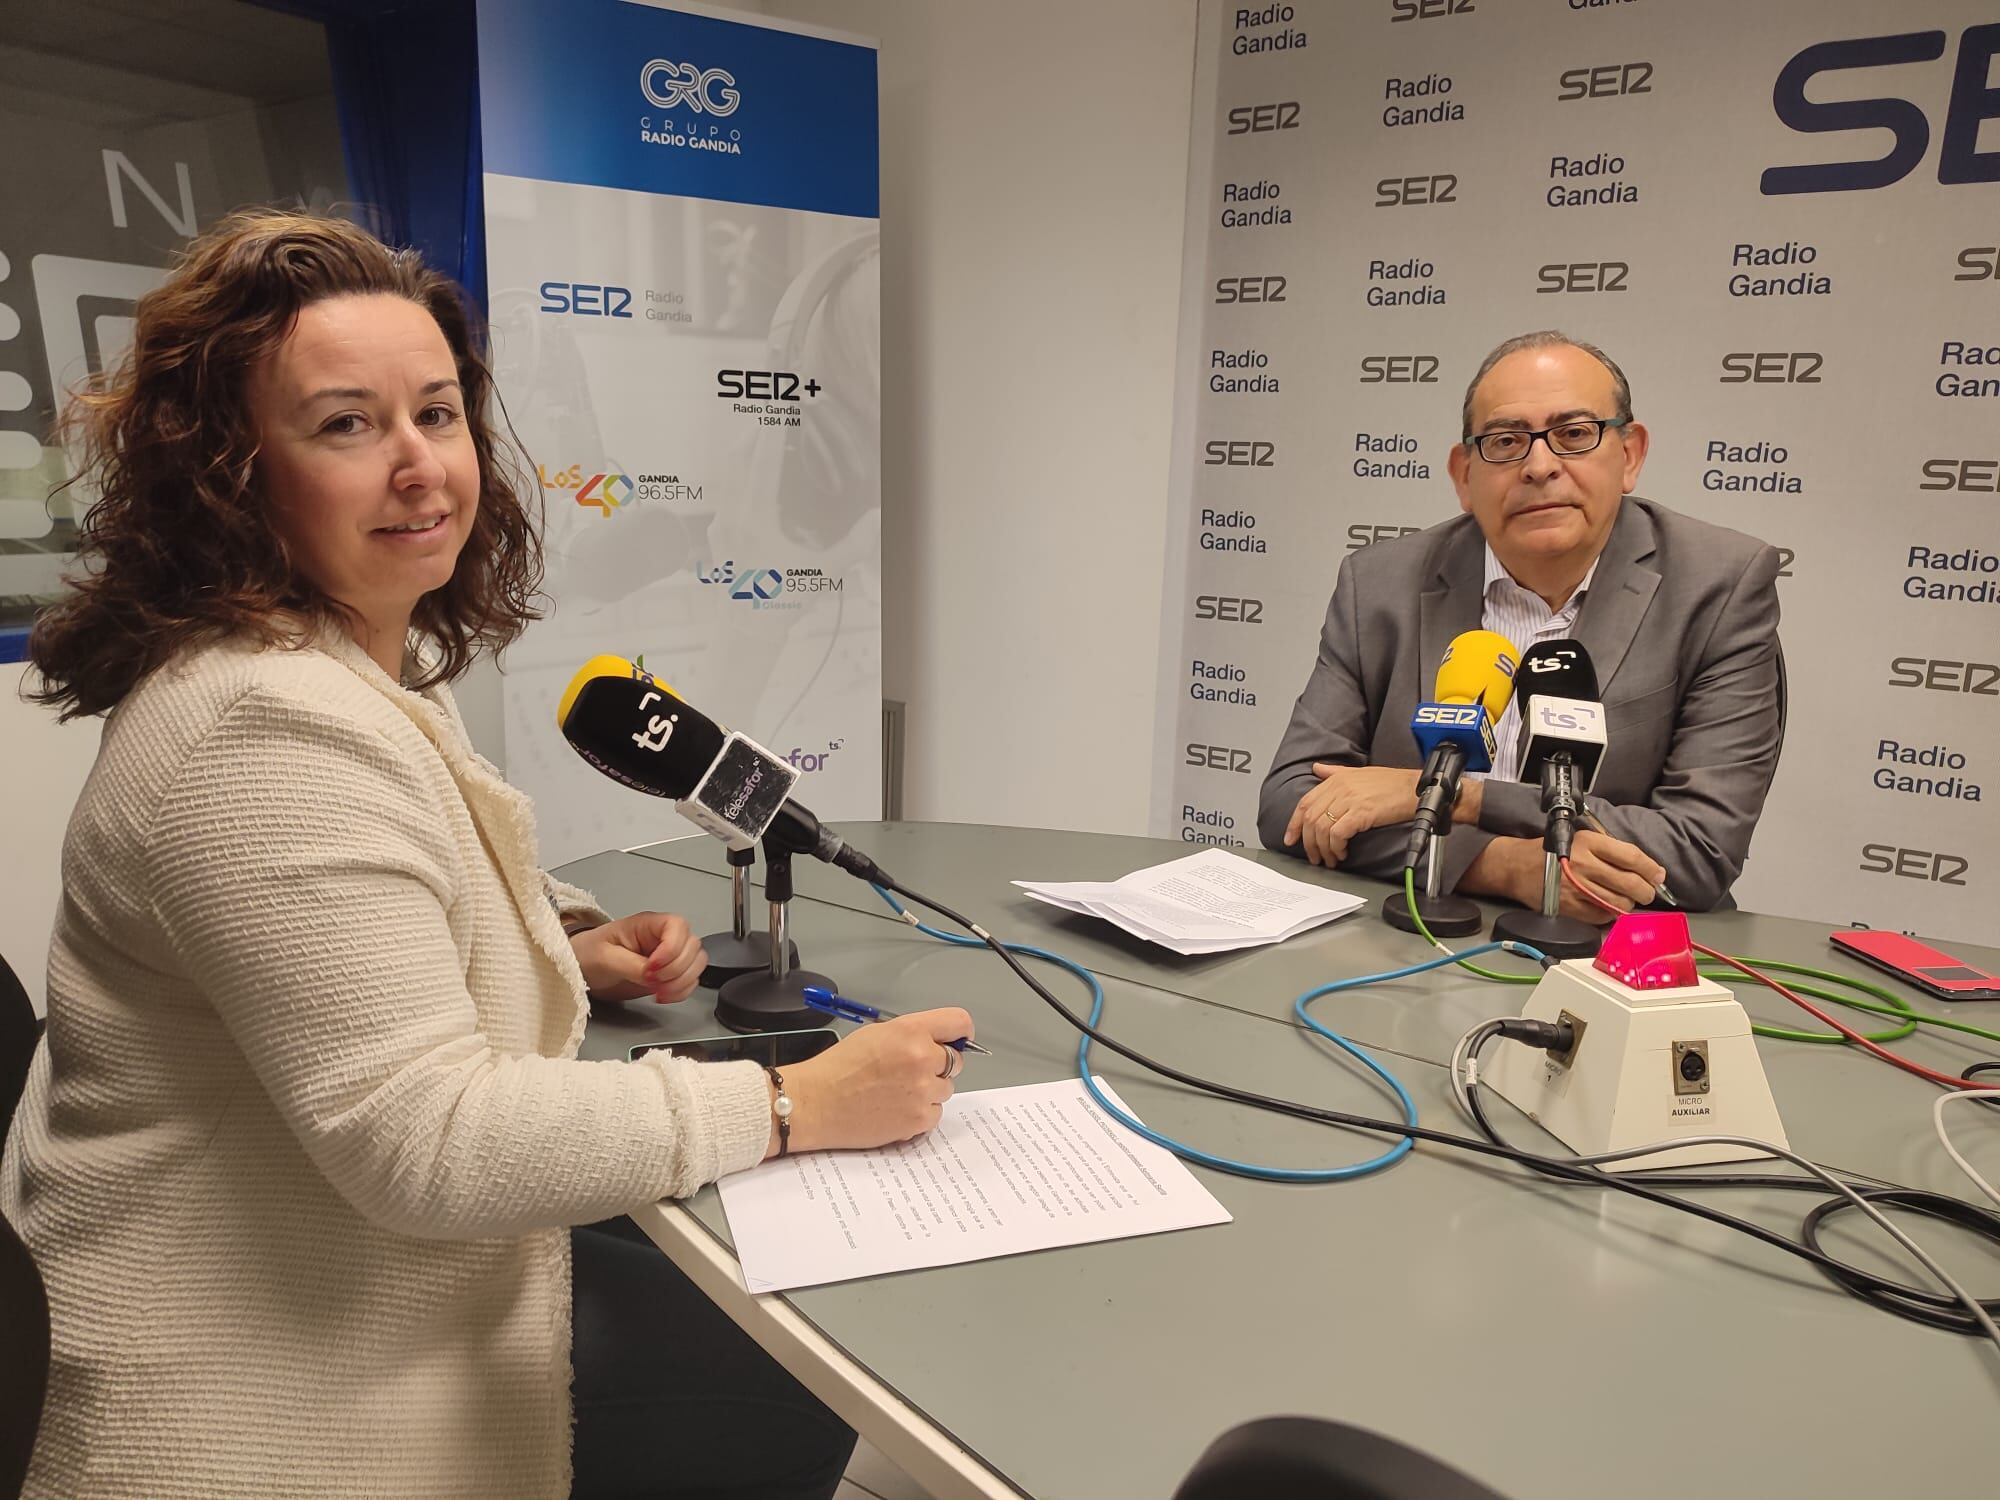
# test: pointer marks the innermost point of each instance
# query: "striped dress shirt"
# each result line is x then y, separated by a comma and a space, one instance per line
1522, 616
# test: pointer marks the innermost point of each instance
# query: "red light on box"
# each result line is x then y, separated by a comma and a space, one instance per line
1648, 950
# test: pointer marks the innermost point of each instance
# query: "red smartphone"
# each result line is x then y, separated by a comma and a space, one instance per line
1922, 965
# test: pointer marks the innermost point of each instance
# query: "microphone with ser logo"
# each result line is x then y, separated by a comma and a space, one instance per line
1475, 681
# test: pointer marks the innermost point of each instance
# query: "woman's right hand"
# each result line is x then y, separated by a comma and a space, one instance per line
884, 1082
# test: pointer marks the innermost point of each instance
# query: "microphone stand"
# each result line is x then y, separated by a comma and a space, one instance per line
1554, 934
1444, 916
773, 999
739, 951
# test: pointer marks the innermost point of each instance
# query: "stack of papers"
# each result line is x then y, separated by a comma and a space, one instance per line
1209, 902
1005, 1171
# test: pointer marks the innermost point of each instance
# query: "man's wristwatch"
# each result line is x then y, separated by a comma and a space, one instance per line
781, 1110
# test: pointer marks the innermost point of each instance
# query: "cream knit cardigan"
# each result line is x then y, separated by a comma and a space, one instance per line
297, 1155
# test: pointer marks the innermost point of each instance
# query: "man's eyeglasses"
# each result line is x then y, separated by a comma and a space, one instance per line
1568, 439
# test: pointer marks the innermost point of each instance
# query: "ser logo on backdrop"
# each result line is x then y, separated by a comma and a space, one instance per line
1229, 608
1605, 81
1399, 369
1260, 119
1914, 864
1216, 758
1779, 367
1583, 276
1972, 476
1416, 192
1230, 290
1427, 10
1978, 263
1979, 678
1971, 104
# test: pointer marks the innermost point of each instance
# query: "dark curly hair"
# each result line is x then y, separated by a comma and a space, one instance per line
178, 547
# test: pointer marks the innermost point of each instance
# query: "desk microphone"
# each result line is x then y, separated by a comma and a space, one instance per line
1455, 730
1455, 733
639, 732
1562, 725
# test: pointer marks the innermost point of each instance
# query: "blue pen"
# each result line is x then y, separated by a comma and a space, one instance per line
826, 1002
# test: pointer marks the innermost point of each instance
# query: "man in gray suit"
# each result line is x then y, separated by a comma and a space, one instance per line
1680, 619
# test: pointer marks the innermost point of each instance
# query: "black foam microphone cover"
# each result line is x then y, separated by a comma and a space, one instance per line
636, 732
1556, 669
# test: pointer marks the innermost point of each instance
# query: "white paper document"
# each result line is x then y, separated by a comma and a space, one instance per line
1209, 902
1004, 1171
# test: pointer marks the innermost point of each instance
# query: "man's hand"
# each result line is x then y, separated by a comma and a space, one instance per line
1620, 874
648, 953
1623, 875
1347, 801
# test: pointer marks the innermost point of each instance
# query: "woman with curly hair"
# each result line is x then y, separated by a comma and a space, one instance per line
302, 1151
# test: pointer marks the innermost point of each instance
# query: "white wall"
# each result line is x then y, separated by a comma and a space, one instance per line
1034, 164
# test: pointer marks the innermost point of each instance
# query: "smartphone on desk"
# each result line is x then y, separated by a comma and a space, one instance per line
1934, 972
771, 1049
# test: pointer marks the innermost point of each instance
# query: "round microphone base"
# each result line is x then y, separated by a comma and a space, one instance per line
757, 1002
1559, 937
1445, 916
730, 955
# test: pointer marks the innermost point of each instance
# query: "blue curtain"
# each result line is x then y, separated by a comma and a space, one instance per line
406, 82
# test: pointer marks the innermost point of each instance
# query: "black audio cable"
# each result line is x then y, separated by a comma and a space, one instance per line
1936, 1309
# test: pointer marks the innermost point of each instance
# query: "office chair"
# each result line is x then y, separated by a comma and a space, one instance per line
24, 1303
20, 1029
24, 1373
1305, 1458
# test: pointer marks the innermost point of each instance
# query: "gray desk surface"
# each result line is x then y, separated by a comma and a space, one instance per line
1554, 1341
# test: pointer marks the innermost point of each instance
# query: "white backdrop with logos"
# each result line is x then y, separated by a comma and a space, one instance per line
1778, 219
688, 341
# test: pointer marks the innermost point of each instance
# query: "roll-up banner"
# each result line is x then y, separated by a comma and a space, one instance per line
683, 253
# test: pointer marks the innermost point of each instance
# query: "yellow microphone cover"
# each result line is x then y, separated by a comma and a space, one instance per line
601, 666
1478, 667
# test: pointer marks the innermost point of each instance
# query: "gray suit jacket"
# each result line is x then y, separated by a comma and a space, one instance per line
1681, 623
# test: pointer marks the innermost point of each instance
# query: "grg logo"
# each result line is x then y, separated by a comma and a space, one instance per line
670, 85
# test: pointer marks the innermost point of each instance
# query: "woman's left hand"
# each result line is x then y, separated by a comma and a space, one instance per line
648, 953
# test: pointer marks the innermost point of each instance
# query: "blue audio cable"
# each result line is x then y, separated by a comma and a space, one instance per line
1256, 1170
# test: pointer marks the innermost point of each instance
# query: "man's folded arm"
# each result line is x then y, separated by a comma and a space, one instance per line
1702, 811
1329, 722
